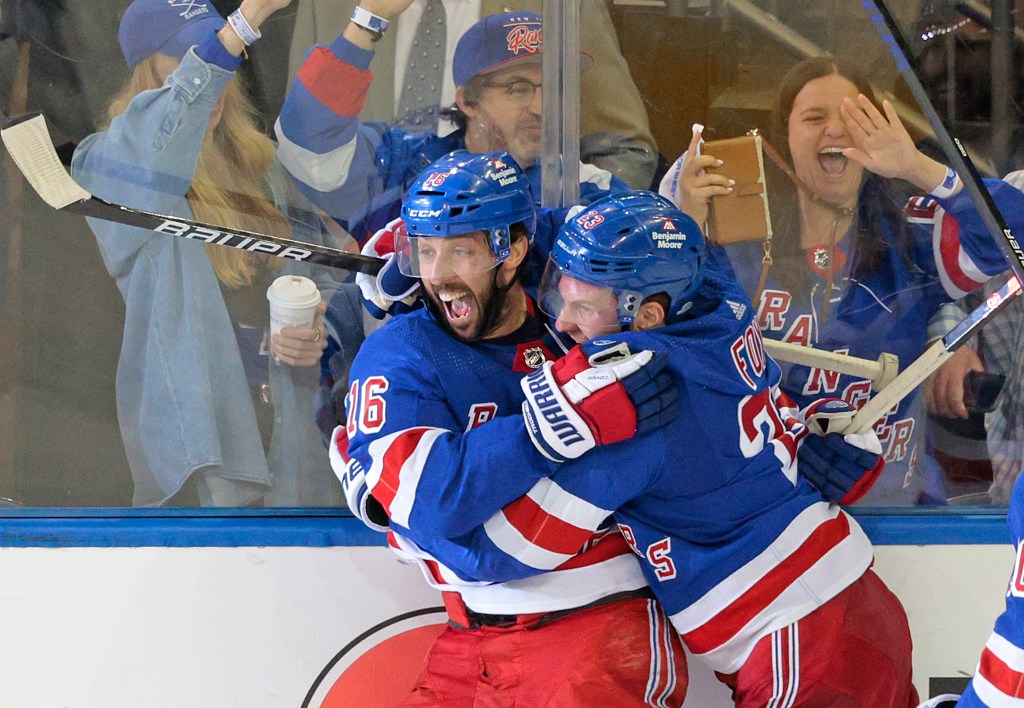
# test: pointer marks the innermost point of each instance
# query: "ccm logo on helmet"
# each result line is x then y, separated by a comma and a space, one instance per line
424, 213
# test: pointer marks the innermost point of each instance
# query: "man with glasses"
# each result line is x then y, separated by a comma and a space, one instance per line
358, 172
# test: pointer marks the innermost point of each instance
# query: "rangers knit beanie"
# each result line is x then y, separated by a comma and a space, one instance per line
170, 27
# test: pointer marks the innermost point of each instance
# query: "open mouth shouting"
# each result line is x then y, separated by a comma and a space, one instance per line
832, 161
457, 304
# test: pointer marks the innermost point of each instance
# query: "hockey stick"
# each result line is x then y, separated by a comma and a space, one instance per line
29, 144
881, 372
937, 354
932, 358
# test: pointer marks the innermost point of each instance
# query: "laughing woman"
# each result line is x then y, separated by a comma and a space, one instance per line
855, 265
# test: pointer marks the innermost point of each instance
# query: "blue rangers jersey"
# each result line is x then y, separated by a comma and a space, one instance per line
733, 542
999, 679
428, 417
359, 172
882, 309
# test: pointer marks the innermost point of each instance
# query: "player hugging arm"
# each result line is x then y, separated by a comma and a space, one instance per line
423, 387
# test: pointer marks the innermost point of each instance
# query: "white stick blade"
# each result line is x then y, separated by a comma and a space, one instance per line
32, 150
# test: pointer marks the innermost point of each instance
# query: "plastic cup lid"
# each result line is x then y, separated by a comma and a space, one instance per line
293, 291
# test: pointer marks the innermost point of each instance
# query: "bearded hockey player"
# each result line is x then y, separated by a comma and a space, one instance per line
434, 401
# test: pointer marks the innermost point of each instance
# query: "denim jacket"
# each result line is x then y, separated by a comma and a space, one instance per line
182, 397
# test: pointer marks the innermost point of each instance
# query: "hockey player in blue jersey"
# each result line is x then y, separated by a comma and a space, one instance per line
763, 579
434, 402
999, 678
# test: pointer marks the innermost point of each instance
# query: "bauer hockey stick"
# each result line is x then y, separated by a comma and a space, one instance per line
29, 144
937, 354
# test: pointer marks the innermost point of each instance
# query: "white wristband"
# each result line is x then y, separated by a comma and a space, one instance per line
242, 28
374, 24
947, 186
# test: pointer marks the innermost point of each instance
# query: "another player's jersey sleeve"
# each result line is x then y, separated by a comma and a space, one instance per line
552, 523
964, 253
434, 472
999, 678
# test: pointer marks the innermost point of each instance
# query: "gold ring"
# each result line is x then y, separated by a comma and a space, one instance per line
316, 334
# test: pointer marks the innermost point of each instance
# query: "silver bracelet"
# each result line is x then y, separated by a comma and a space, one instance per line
948, 185
242, 28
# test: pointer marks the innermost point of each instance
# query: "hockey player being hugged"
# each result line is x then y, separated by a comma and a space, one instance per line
762, 577
853, 266
434, 402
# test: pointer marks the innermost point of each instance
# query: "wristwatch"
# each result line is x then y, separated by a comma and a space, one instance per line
370, 22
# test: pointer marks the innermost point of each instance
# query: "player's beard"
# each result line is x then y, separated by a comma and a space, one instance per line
523, 145
490, 306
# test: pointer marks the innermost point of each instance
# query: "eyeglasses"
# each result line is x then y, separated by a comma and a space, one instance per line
519, 92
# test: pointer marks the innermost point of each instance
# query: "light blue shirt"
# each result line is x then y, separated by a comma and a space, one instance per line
182, 397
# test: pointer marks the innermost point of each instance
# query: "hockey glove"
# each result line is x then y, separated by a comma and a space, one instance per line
596, 396
842, 467
390, 292
352, 476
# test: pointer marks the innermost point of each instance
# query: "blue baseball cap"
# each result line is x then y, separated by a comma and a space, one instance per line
166, 26
498, 42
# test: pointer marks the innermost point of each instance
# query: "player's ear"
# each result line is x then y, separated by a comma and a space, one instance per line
651, 315
467, 107
517, 251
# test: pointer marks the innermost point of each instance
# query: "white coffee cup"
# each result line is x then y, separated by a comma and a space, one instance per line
293, 300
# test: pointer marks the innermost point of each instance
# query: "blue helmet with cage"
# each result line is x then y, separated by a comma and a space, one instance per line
636, 244
465, 192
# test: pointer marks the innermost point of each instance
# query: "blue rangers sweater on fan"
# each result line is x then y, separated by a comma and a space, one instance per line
359, 172
734, 543
999, 678
881, 309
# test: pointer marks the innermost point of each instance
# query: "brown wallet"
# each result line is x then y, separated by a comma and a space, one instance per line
741, 215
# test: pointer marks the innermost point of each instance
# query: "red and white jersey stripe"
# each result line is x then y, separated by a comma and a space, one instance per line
608, 567
958, 273
545, 528
396, 469
999, 680
821, 552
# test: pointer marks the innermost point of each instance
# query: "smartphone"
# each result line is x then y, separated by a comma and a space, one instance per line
981, 390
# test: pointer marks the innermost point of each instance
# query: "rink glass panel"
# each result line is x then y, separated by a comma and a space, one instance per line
693, 61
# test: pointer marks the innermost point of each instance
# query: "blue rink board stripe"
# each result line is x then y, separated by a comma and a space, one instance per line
182, 528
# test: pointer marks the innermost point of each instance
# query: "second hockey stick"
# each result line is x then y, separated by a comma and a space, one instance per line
937, 354
932, 358
29, 144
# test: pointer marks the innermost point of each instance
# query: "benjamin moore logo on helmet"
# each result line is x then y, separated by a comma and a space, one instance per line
669, 236
524, 38
192, 8
505, 175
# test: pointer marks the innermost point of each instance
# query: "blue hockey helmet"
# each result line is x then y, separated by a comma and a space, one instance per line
463, 193
631, 244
